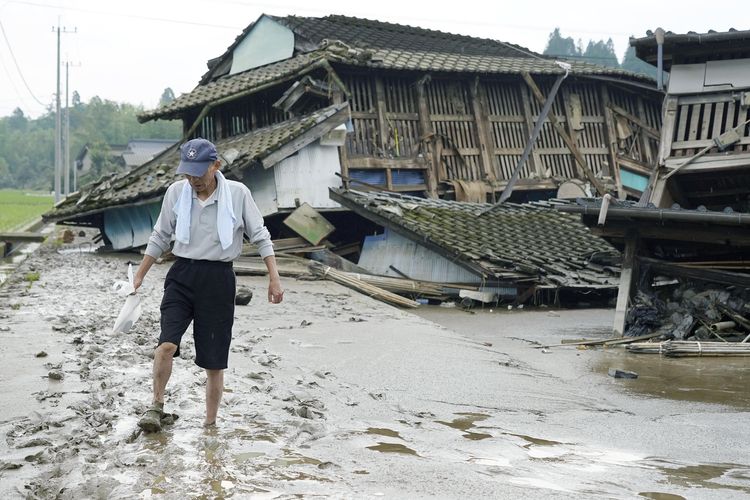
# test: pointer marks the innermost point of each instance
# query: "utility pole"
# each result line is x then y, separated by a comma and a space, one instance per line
67, 134
58, 123
58, 120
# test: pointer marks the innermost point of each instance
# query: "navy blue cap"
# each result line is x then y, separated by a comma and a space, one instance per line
196, 155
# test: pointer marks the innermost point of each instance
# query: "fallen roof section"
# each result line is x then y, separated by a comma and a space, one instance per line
266, 147
529, 243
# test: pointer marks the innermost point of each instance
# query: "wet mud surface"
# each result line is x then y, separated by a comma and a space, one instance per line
332, 394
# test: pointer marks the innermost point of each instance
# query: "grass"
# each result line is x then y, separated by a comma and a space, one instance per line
18, 207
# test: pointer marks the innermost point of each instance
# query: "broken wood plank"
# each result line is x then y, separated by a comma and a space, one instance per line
308, 223
22, 237
610, 341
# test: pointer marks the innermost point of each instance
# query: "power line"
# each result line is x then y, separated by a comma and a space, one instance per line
10, 79
20, 73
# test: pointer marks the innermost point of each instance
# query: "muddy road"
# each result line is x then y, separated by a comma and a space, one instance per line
332, 394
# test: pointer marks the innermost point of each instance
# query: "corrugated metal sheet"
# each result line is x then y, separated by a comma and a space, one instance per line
130, 226
263, 187
417, 262
306, 177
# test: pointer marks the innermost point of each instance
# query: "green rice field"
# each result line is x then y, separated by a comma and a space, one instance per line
19, 207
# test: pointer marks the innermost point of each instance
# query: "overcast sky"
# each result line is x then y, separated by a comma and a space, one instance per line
131, 51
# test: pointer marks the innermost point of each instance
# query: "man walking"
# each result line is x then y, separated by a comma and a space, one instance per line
207, 214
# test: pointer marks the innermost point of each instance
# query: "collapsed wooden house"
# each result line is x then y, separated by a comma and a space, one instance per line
690, 233
318, 103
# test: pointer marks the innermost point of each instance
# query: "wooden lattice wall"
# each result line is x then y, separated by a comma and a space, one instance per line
479, 128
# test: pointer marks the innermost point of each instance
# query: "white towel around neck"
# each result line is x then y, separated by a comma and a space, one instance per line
225, 218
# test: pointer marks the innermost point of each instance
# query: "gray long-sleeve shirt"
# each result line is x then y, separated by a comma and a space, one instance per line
204, 235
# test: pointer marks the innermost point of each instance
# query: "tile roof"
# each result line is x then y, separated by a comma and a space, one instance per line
392, 59
366, 33
151, 180
232, 85
529, 242
379, 45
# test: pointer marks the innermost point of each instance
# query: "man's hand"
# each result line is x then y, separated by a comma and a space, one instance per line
275, 292
140, 274
137, 282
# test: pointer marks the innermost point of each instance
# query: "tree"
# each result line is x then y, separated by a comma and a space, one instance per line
166, 97
18, 120
602, 53
561, 47
76, 99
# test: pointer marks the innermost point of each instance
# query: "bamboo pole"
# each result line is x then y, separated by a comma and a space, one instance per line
373, 291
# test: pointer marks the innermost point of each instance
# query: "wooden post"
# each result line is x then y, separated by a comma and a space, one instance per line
380, 106
626, 281
573, 133
611, 133
566, 139
658, 194
338, 98
486, 142
427, 136
535, 163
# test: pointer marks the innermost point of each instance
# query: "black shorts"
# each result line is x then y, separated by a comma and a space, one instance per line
203, 292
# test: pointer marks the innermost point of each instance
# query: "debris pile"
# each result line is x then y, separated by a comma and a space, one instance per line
690, 311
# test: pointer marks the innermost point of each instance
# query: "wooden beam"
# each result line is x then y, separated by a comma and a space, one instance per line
338, 98
572, 133
486, 142
634, 165
400, 163
568, 142
306, 138
667, 129
710, 275
535, 162
428, 140
22, 237
626, 281
380, 110
645, 127
611, 133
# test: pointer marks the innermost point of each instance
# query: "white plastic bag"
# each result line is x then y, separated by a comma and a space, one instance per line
131, 310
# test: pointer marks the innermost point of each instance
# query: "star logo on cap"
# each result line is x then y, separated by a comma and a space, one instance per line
192, 153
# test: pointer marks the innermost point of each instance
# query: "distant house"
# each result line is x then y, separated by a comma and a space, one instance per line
319, 103
140, 151
136, 152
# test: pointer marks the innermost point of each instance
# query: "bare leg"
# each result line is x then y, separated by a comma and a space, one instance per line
162, 369
214, 390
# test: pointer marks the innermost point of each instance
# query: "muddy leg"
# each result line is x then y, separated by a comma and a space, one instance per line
214, 390
162, 369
